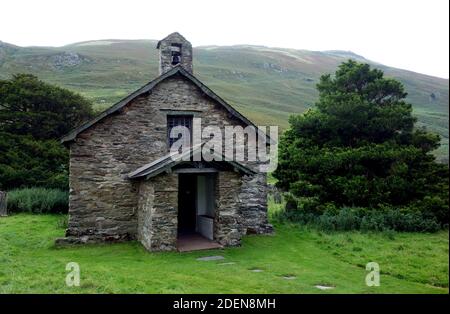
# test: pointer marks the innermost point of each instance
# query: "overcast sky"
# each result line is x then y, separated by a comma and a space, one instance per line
408, 34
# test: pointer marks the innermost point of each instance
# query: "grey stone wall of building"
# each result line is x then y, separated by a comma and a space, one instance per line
253, 204
158, 213
103, 202
146, 204
227, 225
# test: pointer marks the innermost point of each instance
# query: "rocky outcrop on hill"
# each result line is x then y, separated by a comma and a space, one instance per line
67, 59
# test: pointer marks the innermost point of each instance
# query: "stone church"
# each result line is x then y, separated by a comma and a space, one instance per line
124, 185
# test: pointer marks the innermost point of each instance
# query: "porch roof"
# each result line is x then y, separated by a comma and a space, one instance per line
167, 162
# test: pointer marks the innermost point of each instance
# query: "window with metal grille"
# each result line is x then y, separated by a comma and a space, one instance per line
176, 120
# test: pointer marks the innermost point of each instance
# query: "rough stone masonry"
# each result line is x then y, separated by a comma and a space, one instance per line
105, 205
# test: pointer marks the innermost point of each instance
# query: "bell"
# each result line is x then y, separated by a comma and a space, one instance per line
175, 59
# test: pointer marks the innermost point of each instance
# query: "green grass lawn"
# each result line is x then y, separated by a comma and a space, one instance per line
410, 263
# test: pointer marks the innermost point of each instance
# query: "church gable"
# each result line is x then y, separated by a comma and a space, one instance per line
136, 133
177, 73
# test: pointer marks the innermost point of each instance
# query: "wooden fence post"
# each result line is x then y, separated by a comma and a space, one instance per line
3, 208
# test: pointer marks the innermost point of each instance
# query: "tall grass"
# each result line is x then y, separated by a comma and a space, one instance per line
385, 219
364, 219
38, 200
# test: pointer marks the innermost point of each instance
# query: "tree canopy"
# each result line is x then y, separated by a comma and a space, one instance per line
33, 115
359, 147
28, 106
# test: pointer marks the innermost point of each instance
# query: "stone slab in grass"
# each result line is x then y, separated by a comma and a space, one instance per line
210, 258
256, 270
289, 277
322, 287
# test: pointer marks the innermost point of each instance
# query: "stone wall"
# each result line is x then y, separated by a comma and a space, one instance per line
253, 204
227, 224
241, 207
145, 206
158, 213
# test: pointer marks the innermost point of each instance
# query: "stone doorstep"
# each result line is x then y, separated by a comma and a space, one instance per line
195, 242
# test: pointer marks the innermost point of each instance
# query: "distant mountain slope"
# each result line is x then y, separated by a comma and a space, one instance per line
266, 84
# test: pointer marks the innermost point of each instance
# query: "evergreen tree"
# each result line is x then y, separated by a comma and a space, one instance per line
29, 106
33, 115
358, 147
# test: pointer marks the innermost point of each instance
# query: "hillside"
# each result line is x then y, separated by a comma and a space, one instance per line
266, 84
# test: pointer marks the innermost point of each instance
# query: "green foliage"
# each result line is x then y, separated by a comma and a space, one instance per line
359, 148
27, 162
38, 200
31, 107
364, 219
33, 115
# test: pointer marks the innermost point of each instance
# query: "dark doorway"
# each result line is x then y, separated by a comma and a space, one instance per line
187, 191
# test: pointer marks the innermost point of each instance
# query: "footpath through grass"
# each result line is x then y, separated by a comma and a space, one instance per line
410, 263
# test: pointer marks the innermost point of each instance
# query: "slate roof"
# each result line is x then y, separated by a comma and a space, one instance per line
172, 159
177, 70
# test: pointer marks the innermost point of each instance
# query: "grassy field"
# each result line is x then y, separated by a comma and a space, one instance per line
410, 263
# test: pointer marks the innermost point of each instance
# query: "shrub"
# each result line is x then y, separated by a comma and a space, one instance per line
360, 218
403, 219
38, 200
345, 219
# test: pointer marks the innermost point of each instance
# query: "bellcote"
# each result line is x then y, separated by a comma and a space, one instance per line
174, 50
